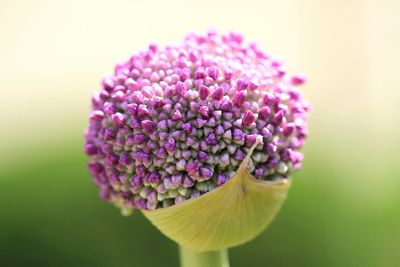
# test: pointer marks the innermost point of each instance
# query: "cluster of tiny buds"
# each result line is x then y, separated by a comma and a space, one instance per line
175, 122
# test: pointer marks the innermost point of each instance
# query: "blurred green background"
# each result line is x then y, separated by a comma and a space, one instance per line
344, 206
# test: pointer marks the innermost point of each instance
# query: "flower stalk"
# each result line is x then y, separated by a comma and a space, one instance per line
190, 258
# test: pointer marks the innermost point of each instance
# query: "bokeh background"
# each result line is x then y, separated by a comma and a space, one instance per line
344, 207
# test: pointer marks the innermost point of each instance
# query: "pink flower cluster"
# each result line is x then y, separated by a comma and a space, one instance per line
174, 122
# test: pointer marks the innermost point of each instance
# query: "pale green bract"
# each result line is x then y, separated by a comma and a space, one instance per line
230, 215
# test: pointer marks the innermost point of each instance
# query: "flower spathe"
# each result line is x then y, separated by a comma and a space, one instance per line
175, 122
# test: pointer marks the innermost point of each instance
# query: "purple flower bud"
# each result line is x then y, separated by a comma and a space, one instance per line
139, 138
226, 105
288, 129
162, 125
161, 188
271, 148
105, 193
250, 139
161, 153
125, 159
112, 159
142, 112
226, 125
264, 113
155, 178
219, 130
135, 124
203, 156
109, 108
185, 74
96, 115
272, 162
213, 73
206, 172
239, 99
167, 108
131, 84
176, 180
132, 109
252, 86
180, 165
239, 155
107, 148
141, 156
266, 133
238, 134
147, 92
109, 134
187, 182
259, 172
269, 100
218, 93
137, 97
217, 114
204, 145
199, 74
140, 203
170, 145
228, 134
201, 123
152, 197
186, 154
118, 119
149, 126
241, 85
238, 123
204, 110
211, 122
192, 56
248, 118
158, 102
211, 139
118, 96
224, 160
277, 119
90, 149
187, 127
108, 84
176, 135
298, 79
195, 194
168, 183
221, 179
104, 95
140, 170
204, 92
180, 88
95, 168
192, 167
177, 116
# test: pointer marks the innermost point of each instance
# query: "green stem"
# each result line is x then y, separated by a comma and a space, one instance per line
191, 258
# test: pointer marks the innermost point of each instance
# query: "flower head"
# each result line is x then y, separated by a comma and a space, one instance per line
175, 122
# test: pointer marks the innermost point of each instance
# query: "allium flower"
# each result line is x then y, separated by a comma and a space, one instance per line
173, 123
